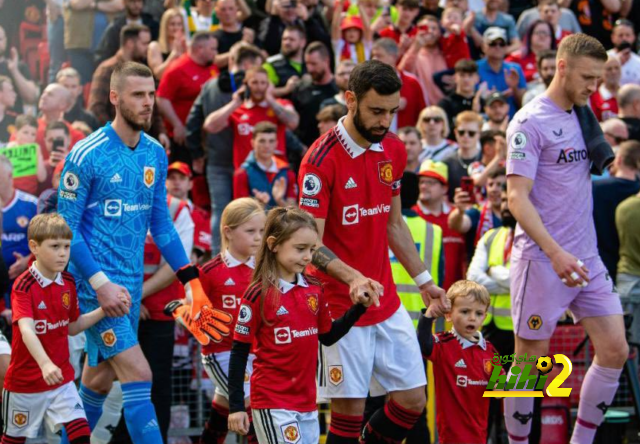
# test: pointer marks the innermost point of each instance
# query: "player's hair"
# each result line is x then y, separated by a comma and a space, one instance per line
243, 51
387, 45
128, 69
466, 288
628, 94
26, 120
469, 117
375, 75
410, 130
6, 164
281, 225
545, 55
629, 152
318, 47
437, 111
48, 226
582, 45
466, 66
3, 80
67, 72
332, 112
131, 32
264, 127
57, 125
238, 212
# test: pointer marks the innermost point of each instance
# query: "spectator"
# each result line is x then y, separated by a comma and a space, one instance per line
629, 109
467, 133
492, 17
343, 72
18, 72
7, 117
380, 14
494, 153
608, 194
505, 77
405, 29
110, 42
313, 90
55, 36
550, 13
57, 144
171, 42
425, 58
453, 42
25, 134
615, 132
623, 38
430, 7
26, 128
597, 17
604, 102
48, 199
567, 20
201, 16
328, 117
215, 94
351, 36
433, 125
546, 63
181, 83
69, 78
497, 110
432, 206
539, 38
230, 13
263, 175
411, 95
286, 68
410, 136
465, 97
628, 282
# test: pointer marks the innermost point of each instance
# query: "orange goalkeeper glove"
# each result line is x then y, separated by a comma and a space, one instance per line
211, 325
189, 275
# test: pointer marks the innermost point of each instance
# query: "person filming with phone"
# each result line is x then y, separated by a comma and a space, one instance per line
56, 142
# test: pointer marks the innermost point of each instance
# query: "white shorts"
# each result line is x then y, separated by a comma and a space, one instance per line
5, 347
277, 426
380, 359
23, 413
217, 367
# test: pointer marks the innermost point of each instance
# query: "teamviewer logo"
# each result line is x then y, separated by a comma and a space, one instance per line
283, 335
350, 215
113, 208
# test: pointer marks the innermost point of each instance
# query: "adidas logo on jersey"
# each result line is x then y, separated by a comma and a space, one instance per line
461, 364
350, 184
229, 282
116, 178
42, 306
282, 311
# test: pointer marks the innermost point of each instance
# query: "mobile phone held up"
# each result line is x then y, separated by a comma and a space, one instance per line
58, 145
467, 185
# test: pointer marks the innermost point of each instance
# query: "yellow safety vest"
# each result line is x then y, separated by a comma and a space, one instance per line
428, 240
500, 308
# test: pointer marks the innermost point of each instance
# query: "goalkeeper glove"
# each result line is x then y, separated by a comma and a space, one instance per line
211, 325
189, 275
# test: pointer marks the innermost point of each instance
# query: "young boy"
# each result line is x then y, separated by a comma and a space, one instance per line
39, 383
25, 134
462, 364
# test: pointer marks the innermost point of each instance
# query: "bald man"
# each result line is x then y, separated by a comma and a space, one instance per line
629, 109
615, 131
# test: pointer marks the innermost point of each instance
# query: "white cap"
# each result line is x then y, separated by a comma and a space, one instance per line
494, 33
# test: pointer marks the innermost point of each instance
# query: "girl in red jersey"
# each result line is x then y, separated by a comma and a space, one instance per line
283, 314
224, 279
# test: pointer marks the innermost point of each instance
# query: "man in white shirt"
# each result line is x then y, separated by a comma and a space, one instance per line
623, 38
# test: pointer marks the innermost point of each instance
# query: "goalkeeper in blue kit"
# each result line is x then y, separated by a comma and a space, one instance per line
112, 192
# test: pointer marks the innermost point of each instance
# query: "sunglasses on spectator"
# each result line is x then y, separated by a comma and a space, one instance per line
291, 5
498, 43
618, 139
432, 119
471, 133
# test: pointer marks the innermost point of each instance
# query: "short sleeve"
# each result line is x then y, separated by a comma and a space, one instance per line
324, 315
292, 186
437, 349
398, 168
522, 82
168, 85
22, 305
249, 318
74, 310
474, 215
315, 190
524, 147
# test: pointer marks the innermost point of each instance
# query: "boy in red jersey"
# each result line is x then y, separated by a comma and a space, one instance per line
39, 383
465, 354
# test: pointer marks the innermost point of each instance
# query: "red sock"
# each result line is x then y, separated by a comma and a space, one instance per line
78, 431
251, 436
344, 428
11, 440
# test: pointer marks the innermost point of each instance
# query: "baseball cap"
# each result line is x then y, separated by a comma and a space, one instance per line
496, 97
437, 170
494, 33
181, 167
352, 21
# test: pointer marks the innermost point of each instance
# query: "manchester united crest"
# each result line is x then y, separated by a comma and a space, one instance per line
290, 432
385, 172
488, 366
149, 176
109, 338
66, 300
312, 303
22, 221
20, 419
335, 374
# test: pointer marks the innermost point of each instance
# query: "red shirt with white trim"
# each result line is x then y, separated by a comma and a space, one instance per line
413, 93
604, 104
243, 119
286, 345
351, 188
224, 280
52, 305
461, 370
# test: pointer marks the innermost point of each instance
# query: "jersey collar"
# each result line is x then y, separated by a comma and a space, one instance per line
43, 281
465, 343
350, 146
445, 208
604, 92
286, 286
251, 104
231, 261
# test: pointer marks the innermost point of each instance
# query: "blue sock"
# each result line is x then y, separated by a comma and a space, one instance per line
92, 403
139, 413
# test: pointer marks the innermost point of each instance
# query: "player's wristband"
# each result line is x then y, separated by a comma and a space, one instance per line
422, 278
187, 274
98, 280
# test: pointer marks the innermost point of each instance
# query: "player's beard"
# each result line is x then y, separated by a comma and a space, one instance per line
132, 120
367, 133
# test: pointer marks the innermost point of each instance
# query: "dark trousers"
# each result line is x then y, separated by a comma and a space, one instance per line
156, 340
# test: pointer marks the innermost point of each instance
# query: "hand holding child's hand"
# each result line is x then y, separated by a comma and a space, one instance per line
52, 373
239, 423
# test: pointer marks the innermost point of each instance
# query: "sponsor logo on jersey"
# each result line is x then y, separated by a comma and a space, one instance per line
245, 314
245, 129
464, 381
70, 181
558, 133
290, 432
13, 237
22, 221
282, 311
109, 338
228, 301
40, 326
242, 329
149, 176
311, 184
517, 156
461, 364
66, 300
335, 374
42, 306
113, 207
68, 195
116, 178
312, 303
570, 155
313, 203
519, 140
20, 418
350, 184
229, 282
385, 172
282, 335
351, 214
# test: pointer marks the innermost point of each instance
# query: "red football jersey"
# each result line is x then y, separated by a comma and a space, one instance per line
351, 188
51, 305
413, 93
224, 280
461, 370
286, 345
604, 104
245, 118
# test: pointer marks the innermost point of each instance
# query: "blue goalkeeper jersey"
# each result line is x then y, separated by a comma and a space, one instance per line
111, 196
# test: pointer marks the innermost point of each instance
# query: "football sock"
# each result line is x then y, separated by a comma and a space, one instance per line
139, 413
216, 428
344, 429
597, 392
11, 440
518, 413
92, 403
78, 431
389, 425
251, 436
